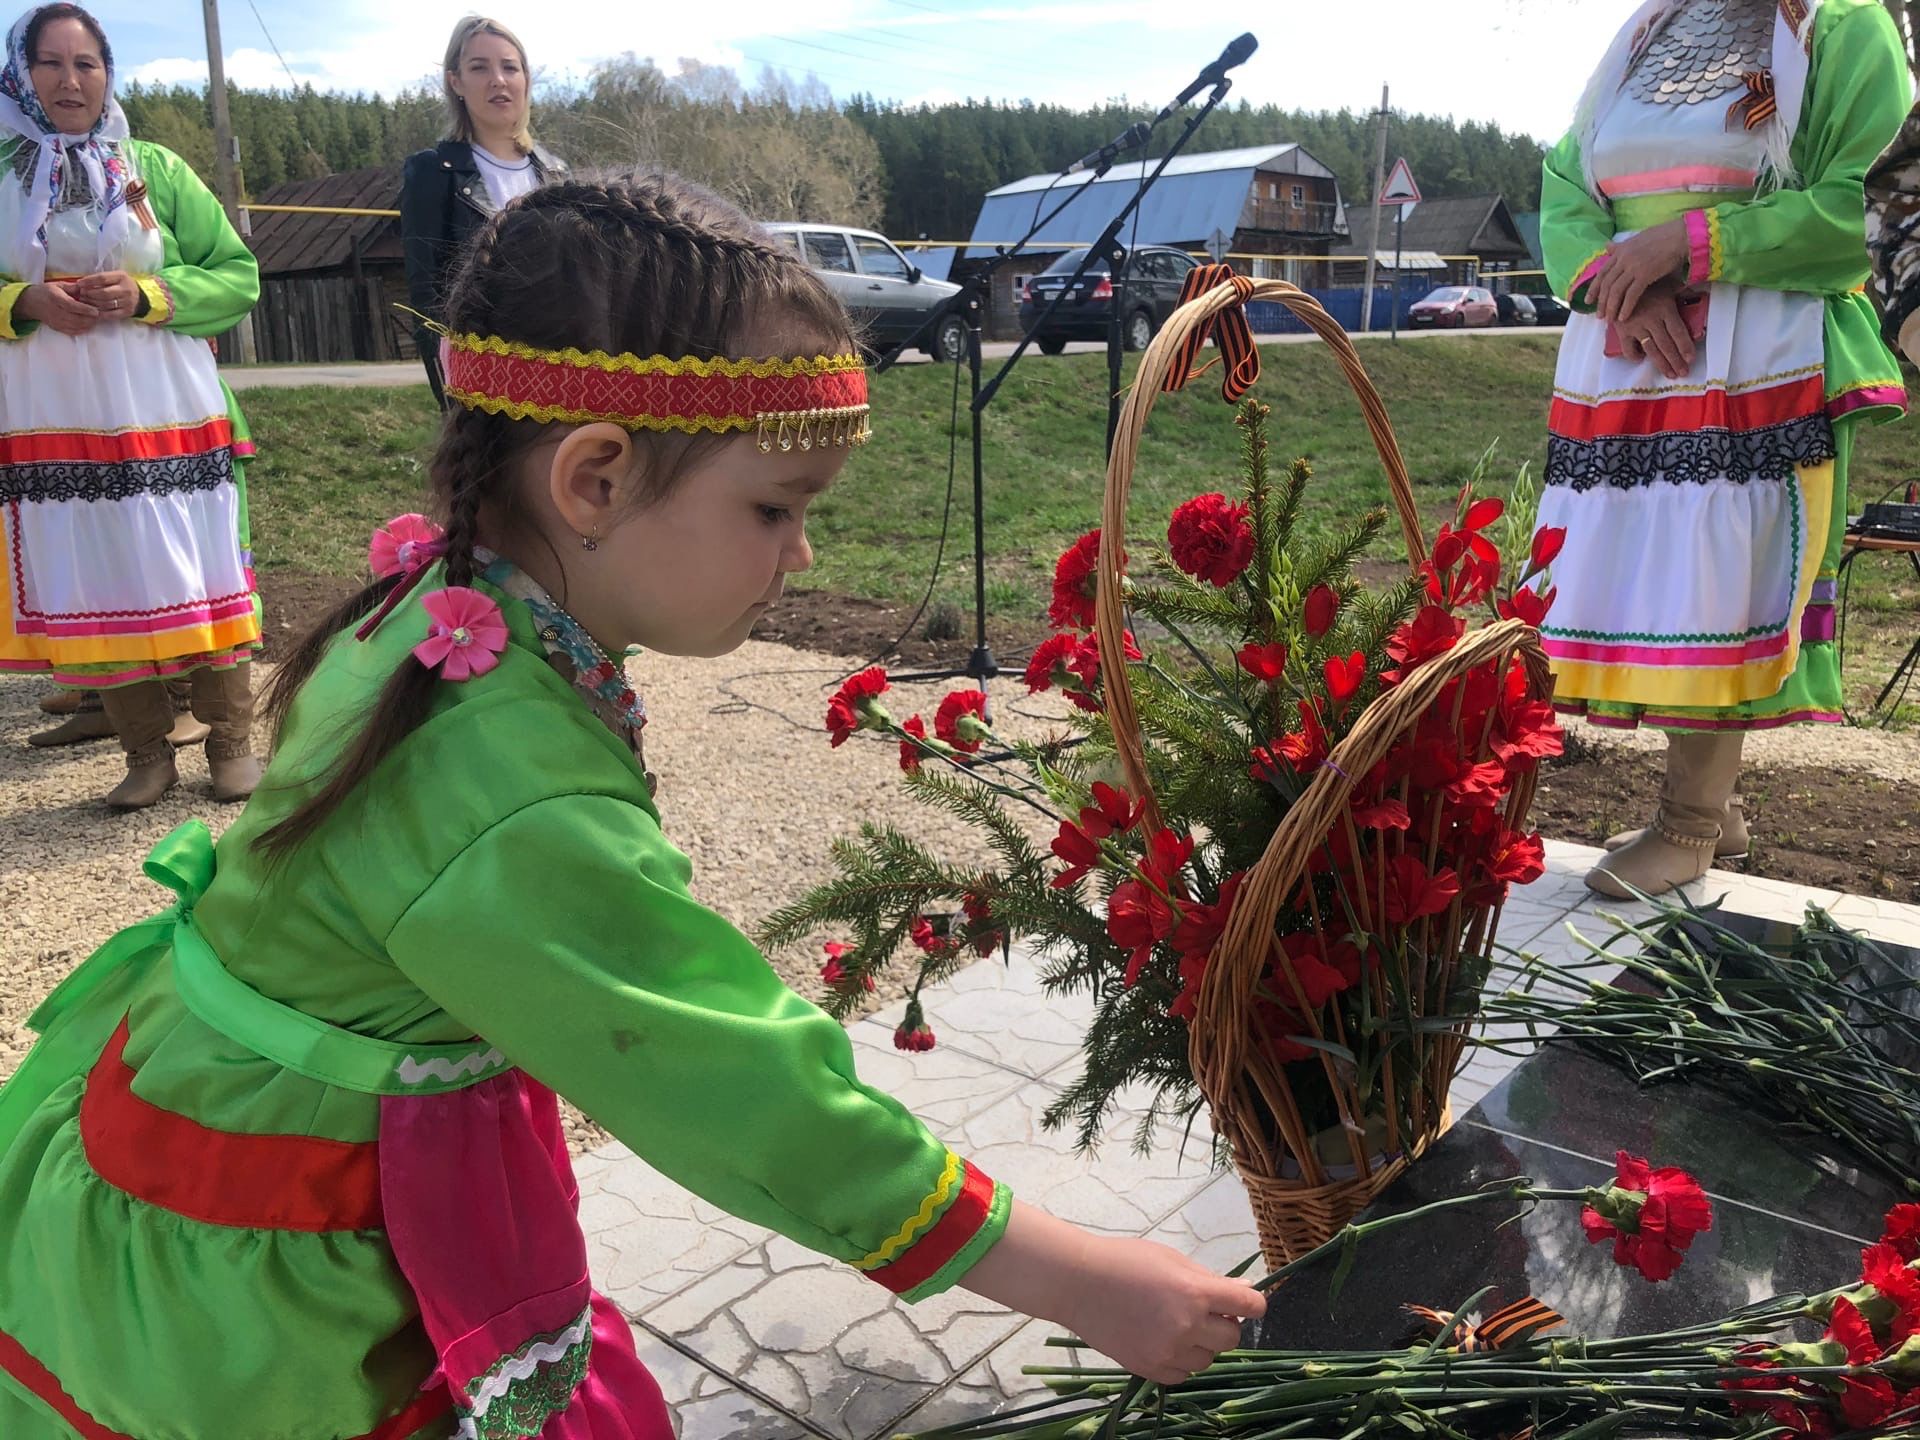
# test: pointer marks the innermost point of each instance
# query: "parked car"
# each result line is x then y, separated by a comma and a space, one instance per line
1516, 309
1550, 309
1154, 277
1452, 307
886, 293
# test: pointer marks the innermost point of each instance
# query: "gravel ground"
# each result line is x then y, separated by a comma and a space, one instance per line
748, 788
753, 798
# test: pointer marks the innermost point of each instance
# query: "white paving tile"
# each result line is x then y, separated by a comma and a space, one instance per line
705, 1406
646, 1236
997, 1010
1886, 920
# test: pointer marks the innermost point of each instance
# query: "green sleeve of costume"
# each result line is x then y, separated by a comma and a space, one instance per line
1575, 228
604, 979
14, 327
209, 279
1814, 238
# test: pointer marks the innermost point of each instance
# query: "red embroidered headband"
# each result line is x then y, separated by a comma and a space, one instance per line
804, 402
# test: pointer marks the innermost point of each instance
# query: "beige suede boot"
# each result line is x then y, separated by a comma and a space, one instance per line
86, 719
1733, 843
142, 715
1702, 770
223, 698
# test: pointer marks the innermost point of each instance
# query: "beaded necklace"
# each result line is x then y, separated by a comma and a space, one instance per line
593, 671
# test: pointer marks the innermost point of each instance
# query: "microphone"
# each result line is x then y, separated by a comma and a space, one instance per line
1234, 55
1131, 138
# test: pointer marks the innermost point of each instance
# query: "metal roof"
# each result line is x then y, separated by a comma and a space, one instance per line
1409, 259
291, 244
1197, 195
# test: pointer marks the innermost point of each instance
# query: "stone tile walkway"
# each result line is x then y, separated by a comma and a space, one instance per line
752, 1336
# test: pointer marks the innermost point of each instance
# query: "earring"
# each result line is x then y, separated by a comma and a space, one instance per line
591, 540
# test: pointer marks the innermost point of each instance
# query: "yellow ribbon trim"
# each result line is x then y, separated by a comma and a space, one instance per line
660, 364
1718, 267
686, 424
923, 1218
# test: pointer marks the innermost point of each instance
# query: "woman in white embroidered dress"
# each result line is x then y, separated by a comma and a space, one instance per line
1706, 218
119, 511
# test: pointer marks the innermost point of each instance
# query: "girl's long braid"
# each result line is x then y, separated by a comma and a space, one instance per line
648, 266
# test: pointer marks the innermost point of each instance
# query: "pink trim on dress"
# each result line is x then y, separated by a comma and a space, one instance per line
1699, 248
481, 1210
1678, 177
1666, 657
1862, 399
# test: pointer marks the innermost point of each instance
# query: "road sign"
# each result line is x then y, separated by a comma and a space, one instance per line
1400, 189
1218, 244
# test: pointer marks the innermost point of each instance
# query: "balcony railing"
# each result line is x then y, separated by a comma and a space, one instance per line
1311, 217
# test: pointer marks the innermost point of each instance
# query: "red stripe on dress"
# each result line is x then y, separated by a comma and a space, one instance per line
1715, 410
57, 445
946, 1239
219, 1177
40, 1383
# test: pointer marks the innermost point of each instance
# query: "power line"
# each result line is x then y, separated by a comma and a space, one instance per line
291, 80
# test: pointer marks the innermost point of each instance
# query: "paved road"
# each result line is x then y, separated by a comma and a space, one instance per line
408, 372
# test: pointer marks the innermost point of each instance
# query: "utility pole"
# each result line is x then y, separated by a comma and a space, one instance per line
1379, 183
226, 153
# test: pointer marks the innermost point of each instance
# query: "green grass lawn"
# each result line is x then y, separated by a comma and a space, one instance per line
334, 462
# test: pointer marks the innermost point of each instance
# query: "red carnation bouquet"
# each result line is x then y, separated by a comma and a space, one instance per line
1270, 653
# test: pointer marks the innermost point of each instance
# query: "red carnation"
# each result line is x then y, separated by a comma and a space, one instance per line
1263, 662
961, 722
1074, 578
1051, 657
910, 753
1080, 850
1903, 1230
1547, 543
1650, 1215
1388, 814
1532, 733
855, 705
833, 972
979, 914
1085, 666
1113, 811
1306, 747
922, 936
1323, 971
1528, 606
1321, 605
1211, 540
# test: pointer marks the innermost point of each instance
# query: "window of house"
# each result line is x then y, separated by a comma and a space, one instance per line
1299, 194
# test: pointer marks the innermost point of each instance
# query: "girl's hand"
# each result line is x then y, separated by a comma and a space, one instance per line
1655, 331
51, 305
1637, 264
114, 293
1156, 1312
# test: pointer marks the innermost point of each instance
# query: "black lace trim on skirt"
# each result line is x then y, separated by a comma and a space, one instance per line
115, 479
1690, 457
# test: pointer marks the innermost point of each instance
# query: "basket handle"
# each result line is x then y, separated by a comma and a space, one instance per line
1168, 351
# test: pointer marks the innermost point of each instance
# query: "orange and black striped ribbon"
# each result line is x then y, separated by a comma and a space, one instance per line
1509, 1325
1229, 330
1757, 106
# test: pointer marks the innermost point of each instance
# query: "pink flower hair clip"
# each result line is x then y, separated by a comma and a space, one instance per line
405, 547
403, 543
466, 634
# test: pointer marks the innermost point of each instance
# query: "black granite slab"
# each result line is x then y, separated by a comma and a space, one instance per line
1788, 1216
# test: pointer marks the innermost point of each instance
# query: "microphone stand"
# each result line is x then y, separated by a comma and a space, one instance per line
1108, 246
970, 302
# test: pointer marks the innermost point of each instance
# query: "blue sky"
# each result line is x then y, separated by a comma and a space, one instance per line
1518, 62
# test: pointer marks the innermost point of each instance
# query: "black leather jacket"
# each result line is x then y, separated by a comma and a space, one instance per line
443, 202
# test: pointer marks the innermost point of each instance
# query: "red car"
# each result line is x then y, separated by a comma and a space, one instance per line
1454, 307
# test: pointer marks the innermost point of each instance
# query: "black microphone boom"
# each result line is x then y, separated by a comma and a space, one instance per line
1131, 138
1235, 54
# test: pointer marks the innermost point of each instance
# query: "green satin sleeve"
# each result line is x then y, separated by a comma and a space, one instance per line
1575, 228
209, 280
1813, 237
565, 935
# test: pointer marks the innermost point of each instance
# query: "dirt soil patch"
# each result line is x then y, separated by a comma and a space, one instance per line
1818, 825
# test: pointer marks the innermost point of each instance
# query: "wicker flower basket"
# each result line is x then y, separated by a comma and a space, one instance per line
1300, 1198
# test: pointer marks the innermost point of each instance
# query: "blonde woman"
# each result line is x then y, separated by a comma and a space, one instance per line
487, 159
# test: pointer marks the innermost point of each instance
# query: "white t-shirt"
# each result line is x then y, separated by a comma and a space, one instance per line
504, 181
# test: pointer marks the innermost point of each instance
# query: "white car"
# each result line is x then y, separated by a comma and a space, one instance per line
884, 291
